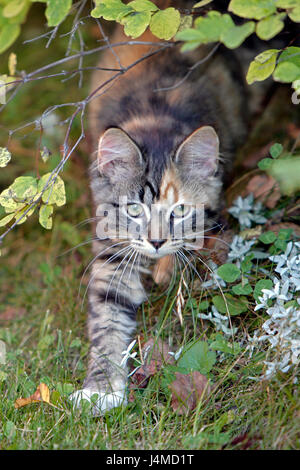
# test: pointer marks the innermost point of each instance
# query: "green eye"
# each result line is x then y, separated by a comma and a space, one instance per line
180, 211
135, 210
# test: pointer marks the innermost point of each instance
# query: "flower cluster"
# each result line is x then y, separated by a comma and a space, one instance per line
239, 248
282, 329
221, 321
247, 211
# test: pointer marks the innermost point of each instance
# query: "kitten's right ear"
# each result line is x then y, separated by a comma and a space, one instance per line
119, 158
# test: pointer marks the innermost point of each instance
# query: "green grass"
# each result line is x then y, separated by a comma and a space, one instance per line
42, 321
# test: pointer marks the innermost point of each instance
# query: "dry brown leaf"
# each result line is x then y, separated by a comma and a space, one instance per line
42, 394
265, 189
187, 390
155, 353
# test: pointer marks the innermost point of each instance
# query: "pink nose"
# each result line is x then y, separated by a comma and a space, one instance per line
157, 243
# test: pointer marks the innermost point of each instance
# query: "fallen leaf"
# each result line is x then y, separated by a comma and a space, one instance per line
187, 390
155, 354
250, 233
265, 189
42, 394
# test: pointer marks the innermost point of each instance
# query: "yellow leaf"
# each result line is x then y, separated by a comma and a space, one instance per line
42, 394
12, 63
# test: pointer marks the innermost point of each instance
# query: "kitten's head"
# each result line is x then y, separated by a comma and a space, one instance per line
162, 209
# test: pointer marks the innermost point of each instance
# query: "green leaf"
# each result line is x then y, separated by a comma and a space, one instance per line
235, 36
6, 219
246, 264
223, 345
267, 238
13, 8
190, 34
276, 150
261, 284
203, 305
197, 357
186, 22
216, 27
262, 66
285, 233
56, 193
287, 3
136, 23
269, 27
57, 10
202, 3
286, 172
165, 23
5, 157
45, 216
235, 306
22, 191
256, 9
294, 14
8, 35
288, 67
110, 10
213, 25
265, 163
229, 272
9, 430
142, 5
22, 215
242, 289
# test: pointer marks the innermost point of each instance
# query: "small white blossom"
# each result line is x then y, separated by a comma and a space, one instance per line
247, 212
215, 280
177, 354
239, 248
220, 321
127, 354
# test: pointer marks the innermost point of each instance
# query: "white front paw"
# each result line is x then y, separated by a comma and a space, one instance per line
102, 401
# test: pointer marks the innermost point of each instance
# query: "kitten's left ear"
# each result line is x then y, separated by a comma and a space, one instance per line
199, 153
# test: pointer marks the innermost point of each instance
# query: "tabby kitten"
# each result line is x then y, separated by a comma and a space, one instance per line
157, 144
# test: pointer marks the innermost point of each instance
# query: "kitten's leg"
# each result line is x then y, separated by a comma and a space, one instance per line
115, 293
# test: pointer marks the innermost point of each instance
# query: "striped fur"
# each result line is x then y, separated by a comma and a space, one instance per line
157, 168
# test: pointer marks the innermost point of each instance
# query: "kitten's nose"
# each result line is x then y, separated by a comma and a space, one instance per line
157, 243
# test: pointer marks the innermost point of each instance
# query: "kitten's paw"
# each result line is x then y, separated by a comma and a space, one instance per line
103, 401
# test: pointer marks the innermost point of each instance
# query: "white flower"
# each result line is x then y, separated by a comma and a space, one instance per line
220, 321
247, 212
177, 354
127, 355
279, 292
239, 248
215, 280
